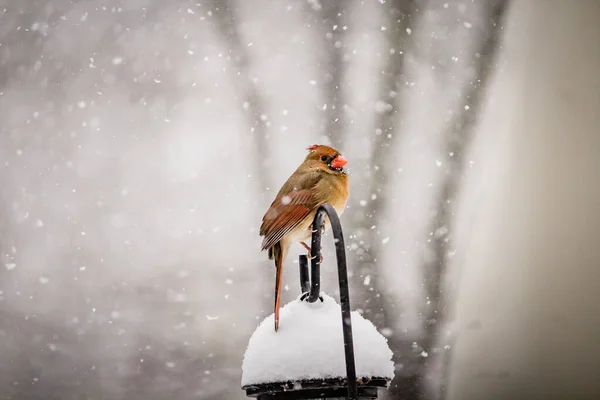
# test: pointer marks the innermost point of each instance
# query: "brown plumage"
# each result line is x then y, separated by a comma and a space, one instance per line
319, 179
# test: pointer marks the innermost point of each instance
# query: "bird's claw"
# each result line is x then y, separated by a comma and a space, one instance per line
322, 229
309, 255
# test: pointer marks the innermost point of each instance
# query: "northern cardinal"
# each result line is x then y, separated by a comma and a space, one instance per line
320, 179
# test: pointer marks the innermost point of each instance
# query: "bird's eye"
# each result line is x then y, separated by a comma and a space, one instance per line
324, 158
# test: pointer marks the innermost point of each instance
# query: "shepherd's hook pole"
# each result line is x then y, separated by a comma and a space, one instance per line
315, 284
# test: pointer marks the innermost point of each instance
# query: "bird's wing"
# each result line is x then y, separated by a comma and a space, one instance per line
287, 211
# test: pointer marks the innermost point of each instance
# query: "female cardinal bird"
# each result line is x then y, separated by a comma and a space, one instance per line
319, 179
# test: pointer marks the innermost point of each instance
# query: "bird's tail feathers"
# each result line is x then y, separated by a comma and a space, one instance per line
278, 256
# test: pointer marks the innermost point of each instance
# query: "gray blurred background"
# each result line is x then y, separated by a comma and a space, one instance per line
142, 141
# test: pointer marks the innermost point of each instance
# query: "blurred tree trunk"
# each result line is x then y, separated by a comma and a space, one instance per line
459, 136
400, 17
328, 16
250, 100
333, 21
410, 383
252, 104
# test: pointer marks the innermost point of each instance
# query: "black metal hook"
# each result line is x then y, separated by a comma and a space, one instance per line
311, 285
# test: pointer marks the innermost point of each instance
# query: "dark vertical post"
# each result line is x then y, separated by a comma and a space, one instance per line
315, 261
304, 277
315, 283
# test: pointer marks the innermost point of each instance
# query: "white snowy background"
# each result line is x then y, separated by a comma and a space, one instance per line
142, 141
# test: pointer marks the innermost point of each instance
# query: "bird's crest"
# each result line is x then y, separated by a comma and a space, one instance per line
321, 148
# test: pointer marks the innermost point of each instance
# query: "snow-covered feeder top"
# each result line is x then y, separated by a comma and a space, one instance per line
309, 345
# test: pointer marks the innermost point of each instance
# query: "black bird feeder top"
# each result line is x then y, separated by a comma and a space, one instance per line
347, 387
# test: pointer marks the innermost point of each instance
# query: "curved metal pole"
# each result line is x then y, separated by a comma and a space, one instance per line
315, 284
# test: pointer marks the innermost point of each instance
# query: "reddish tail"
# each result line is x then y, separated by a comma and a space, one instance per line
278, 256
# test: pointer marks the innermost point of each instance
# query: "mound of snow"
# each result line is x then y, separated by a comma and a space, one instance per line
309, 345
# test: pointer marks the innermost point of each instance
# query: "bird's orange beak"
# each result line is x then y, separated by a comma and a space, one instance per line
339, 162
